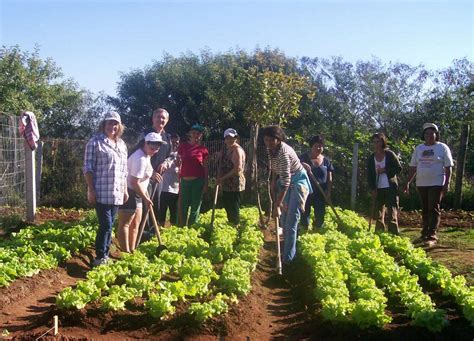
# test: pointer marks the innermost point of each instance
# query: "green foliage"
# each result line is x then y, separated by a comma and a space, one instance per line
187, 270
35, 248
206, 310
350, 267
29, 83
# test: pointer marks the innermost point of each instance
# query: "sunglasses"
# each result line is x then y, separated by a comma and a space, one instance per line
154, 147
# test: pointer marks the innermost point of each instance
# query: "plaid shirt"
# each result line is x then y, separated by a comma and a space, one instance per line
108, 165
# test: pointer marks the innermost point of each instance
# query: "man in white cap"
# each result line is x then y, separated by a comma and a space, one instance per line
105, 170
232, 178
431, 161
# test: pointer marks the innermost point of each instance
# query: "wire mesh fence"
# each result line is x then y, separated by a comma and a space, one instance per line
12, 163
63, 184
62, 181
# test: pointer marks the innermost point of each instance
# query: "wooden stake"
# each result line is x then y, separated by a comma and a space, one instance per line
55, 319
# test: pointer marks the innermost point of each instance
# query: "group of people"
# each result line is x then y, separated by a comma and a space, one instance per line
165, 174
160, 175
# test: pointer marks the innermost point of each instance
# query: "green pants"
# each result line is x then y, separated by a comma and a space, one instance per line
191, 197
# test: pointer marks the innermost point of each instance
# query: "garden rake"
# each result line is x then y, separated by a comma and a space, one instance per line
161, 246
374, 202
326, 199
145, 217
214, 203
277, 227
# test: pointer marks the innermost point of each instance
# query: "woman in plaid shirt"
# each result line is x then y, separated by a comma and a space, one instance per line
105, 170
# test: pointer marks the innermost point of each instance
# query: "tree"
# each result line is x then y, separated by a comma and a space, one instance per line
267, 97
30, 83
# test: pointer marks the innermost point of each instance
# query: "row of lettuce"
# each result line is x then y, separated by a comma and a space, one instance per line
41, 247
201, 269
353, 269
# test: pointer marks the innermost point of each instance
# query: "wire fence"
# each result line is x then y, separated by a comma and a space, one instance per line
63, 184
12, 163
216, 147
62, 181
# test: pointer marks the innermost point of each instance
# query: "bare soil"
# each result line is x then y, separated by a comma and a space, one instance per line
449, 218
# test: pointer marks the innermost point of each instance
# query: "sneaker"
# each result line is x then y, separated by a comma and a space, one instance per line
99, 261
430, 243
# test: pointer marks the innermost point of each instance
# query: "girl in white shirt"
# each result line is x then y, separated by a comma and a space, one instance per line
139, 173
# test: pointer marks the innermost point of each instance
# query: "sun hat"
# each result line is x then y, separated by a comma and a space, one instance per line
230, 132
430, 125
112, 116
197, 127
154, 138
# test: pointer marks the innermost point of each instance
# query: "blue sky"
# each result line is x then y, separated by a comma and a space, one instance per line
93, 41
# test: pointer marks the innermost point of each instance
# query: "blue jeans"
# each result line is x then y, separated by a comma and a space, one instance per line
289, 223
106, 215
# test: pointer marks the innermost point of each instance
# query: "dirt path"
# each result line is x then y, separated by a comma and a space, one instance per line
271, 309
26, 302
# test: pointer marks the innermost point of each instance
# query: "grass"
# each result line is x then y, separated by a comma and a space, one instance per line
455, 249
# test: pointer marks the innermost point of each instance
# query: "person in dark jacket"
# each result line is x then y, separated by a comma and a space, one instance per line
321, 167
383, 167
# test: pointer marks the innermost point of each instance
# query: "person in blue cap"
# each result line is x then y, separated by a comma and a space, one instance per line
193, 176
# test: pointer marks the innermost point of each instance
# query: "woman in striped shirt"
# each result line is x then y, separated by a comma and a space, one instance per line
290, 187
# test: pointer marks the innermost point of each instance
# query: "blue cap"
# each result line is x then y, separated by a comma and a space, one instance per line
197, 127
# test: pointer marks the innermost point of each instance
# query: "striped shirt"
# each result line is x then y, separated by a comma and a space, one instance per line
108, 164
285, 163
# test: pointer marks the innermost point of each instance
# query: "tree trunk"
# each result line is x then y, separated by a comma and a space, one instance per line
462, 154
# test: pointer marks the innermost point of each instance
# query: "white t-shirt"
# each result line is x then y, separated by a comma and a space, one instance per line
430, 162
139, 166
383, 179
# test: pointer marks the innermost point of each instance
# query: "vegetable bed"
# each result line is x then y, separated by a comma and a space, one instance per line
356, 271
202, 271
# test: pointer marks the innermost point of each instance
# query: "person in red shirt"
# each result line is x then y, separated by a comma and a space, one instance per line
194, 169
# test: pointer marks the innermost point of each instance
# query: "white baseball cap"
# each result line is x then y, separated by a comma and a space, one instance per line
154, 137
430, 125
230, 132
112, 116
